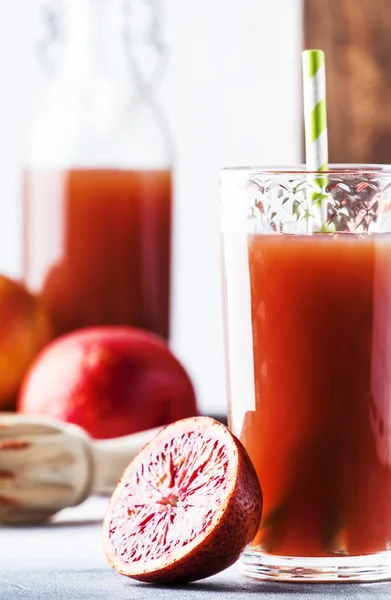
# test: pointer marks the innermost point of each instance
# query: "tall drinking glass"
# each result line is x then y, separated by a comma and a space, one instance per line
307, 300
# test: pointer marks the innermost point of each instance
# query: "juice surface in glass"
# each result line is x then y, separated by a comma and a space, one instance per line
97, 246
319, 433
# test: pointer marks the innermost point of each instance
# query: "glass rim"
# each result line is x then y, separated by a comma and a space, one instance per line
334, 169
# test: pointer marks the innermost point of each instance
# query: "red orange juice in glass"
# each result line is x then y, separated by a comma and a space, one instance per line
308, 328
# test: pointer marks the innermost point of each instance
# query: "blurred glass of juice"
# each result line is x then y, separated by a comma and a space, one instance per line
98, 181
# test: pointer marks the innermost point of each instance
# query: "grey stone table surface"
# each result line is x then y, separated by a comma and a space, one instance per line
64, 560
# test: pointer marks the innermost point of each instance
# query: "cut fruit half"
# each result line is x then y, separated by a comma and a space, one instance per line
186, 506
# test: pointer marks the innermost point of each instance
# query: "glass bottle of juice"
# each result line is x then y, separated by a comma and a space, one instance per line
97, 183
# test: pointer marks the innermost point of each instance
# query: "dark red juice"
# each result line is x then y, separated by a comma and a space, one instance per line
319, 432
97, 246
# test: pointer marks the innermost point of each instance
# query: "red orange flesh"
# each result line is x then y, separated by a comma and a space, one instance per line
186, 507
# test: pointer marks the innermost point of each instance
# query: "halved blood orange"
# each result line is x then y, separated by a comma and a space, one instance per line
186, 506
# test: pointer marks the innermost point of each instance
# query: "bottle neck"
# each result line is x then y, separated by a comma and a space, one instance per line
94, 39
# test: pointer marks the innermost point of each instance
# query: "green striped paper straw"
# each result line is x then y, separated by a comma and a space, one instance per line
315, 119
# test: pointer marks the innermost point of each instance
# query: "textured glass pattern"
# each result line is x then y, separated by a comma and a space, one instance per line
354, 201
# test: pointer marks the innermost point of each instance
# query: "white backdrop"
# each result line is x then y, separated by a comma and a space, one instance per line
232, 96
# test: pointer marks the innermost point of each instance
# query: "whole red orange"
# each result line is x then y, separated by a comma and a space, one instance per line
111, 381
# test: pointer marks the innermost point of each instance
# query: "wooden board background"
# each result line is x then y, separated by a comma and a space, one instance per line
356, 37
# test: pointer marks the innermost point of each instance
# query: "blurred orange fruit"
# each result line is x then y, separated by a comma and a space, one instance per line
110, 380
24, 330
